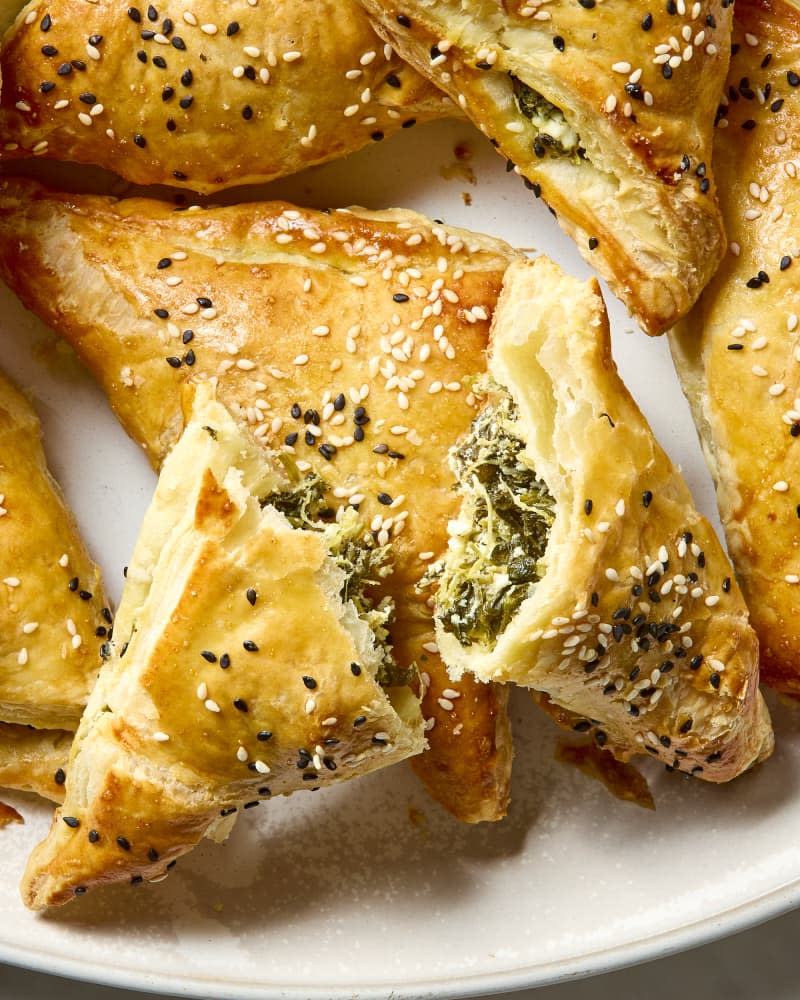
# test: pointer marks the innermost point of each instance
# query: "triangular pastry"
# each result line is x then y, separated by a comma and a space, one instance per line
203, 96
54, 616
606, 109
579, 565
341, 338
246, 664
737, 352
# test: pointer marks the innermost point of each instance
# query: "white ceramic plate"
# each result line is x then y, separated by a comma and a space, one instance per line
369, 888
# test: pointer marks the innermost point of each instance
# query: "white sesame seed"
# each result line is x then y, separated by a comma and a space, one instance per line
292, 56
612, 575
76, 642
261, 767
189, 18
603, 527
11, 581
792, 578
621, 67
781, 486
202, 691
610, 104
160, 737
620, 508
751, 39
310, 705
22, 657
242, 754
211, 705
252, 50
445, 704
209, 29
63, 562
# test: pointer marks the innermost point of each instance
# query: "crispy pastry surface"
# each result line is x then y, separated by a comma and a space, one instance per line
206, 95
737, 352
321, 328
636, 625
238, 673
34, 760
637, 86
52, 601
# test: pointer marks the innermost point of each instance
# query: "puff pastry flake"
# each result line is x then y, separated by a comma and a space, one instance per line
342, 339
738, 350
241, 669
54, 615
206, 95
578, 565
606, 110
34, 760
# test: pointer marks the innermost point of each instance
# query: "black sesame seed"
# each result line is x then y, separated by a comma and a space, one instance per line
140, 140
309, 438
224, 661
250, 646
409, 123
263, 736
393, 80
73, 584
785, 262
647, 22
251, 596
634, 673
309, 682
186, 102
666, 71
94, 836
78, 64
178, 43
87, 98
264, 791
60, 776
686, 726
187, 78
666, 666
291, 439
147, 35
232, 28
735, 347
776, 105
559, 43
152, 13
72, 821
134, 14
46, 23
124, 843
748, 125
400, 297
208, 656
174, 362
46, 86
792, 78
647, 498
84, 595
165, 262
714, 680
49, 50
385, 499
713, 757
329, 450
726, 584
376, 136
359, 720
593, 242
247, 112
665, 741
705, 185
64, 69
79, 890
404, 20
189, 358
587, 507
633, 710
240, 703
582, 726
160, 61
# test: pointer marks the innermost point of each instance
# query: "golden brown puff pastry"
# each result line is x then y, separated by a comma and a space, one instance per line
53, 609
600, 584
606, 108
241, 669
352, 331
34, 760
205, 94
738, 350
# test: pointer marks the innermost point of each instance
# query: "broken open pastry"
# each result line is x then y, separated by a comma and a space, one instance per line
737, 352
342, 339
248, 662
578, 564
606, 109
204, 96
53, 610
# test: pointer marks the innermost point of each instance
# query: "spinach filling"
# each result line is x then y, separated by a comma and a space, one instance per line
556, 136
496, 548
363, 562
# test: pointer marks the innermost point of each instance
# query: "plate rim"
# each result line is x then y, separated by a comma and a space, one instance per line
686, 937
